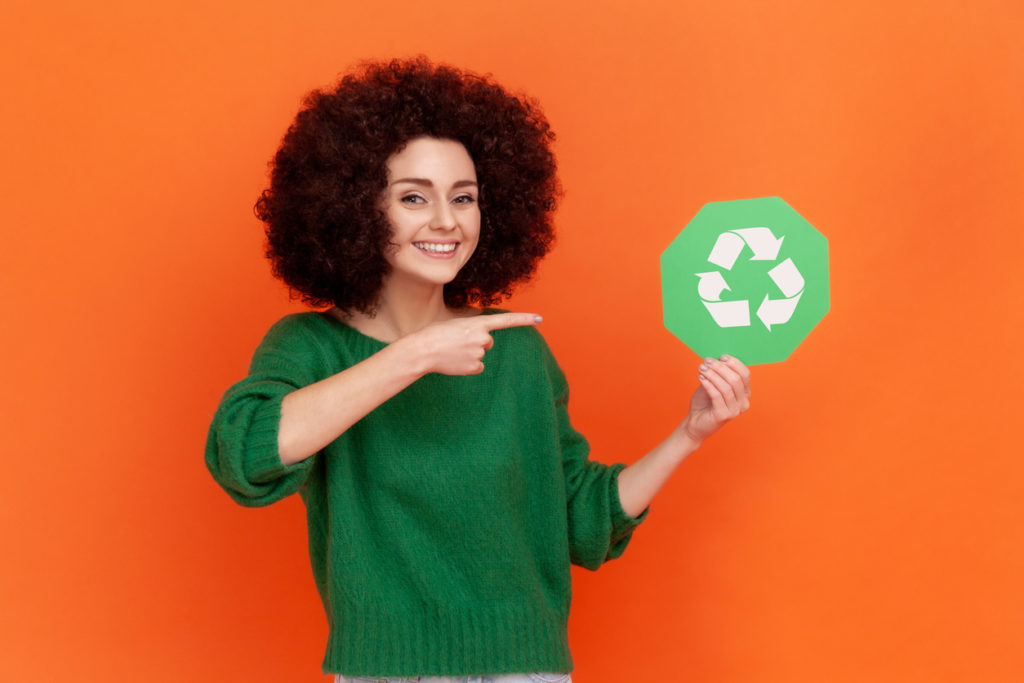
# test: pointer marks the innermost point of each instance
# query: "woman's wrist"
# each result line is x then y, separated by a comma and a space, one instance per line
410, 353
686, 442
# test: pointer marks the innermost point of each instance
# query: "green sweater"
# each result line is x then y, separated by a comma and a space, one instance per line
441, 525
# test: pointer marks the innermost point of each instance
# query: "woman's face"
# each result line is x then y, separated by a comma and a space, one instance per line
432, 204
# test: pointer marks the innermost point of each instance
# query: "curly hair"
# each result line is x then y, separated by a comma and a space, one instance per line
327, 234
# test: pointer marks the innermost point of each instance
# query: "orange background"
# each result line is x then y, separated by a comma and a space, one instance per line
863, 522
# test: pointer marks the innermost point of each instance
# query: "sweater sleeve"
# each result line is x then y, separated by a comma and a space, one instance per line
241, 448
599, 529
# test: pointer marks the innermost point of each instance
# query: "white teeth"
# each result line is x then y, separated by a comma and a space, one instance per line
436, 248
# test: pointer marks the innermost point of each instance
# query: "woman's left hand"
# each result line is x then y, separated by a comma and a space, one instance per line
723, 394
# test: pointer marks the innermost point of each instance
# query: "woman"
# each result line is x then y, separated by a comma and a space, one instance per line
446, 491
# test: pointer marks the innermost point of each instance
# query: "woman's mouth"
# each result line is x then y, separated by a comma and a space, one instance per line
437, 249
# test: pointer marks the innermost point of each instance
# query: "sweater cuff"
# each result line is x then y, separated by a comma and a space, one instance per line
622, 524
263, 463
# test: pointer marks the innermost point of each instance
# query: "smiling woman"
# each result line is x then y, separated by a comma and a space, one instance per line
445, 497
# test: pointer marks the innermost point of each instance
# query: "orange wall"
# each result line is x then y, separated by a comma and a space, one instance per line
863, 522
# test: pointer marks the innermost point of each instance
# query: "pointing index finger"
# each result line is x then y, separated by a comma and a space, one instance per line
501, 320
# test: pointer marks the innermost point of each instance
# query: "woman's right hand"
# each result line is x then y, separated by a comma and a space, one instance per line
457, 346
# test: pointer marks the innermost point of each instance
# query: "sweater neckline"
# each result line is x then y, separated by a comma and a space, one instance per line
335, 321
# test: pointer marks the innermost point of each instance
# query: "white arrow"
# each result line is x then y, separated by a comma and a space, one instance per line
726, 250
776, 311
762, 242
711, 285
787, 278
729, 313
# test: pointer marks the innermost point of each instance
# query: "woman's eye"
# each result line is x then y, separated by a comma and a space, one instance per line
464, 199
412, 199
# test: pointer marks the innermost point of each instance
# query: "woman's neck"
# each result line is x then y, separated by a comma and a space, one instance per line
403, 308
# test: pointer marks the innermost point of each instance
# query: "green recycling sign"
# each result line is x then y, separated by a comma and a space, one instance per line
748, 278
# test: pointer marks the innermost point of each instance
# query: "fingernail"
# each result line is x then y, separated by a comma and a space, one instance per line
725, 358
709, 361
703, 368
538, 319
703, 378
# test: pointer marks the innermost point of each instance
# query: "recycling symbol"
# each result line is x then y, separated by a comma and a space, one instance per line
765, 247
748, 277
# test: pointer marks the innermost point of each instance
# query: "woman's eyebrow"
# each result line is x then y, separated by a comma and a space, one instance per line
427, 183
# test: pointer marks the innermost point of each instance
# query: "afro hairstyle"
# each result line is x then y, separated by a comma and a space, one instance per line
327, 235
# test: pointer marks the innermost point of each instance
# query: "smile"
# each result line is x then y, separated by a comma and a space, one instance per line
441, 249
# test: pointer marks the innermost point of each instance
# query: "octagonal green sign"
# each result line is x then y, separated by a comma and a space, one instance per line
748, 278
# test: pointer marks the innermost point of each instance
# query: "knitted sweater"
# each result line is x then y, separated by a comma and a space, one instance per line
441, 525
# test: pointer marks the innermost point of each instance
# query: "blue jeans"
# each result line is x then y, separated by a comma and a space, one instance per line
497, 678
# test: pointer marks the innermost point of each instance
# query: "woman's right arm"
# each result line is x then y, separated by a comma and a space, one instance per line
317, 414
268, 425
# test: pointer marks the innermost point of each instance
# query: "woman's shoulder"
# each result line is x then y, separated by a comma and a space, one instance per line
312, 329
296, 325
525, 343
317, 340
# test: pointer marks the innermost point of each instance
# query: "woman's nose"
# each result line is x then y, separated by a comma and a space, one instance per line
443, 218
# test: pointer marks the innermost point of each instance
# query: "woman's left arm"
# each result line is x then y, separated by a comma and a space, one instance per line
723, 394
